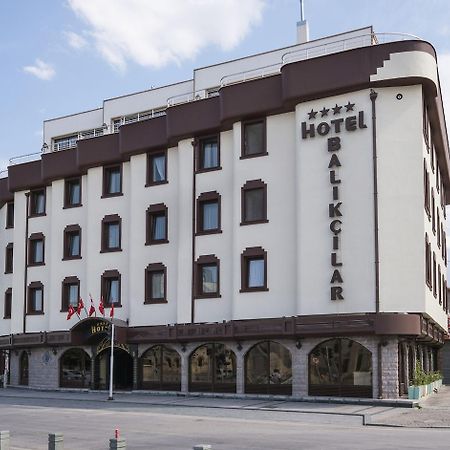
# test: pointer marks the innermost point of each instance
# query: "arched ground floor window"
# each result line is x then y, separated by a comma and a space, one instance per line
123, 369
23, 369
75, 369
160, 369
212, 368
341, 368
268, 369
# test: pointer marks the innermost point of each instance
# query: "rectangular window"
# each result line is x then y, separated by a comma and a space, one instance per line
111, 288
155, 289
433, 156
9, 256
156, 224
254, 270
253, 138
440, 284
72, 194
111, 233
426, 188
433, 212
208, 275
10, 215
434, 275
428, 269
70, 293
35, 298
37, 202
209, 156
208, 213
36, 249
72, 242
254, 202
8, 304
156, 168
112, 181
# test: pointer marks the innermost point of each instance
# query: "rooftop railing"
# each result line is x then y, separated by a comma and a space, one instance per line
69, 142
138, 117
29, 157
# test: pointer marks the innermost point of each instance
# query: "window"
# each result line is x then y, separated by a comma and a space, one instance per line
111, 288
37, 202
434, 275
438, 228
112, 181
253, 138
156, 224
35, 298
208, 154
8, 304
72, 242
433, 156
428, 274
208, 213
254, 270
155, 283
156, 168
208, 277
426, 127
254, 202
426, 188
36, 249
440, 284
72, 193
111, 233
9, 255
70, 293
10, 215
433, 212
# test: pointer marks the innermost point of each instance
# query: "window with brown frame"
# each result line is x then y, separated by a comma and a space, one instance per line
36, 249
433, 156
433, 212
111, 234
37, 203
72, 192
434, 275
72, 242
10, 215
208, 213
111, 288
438, 183
438, 228
254, 202
70, 293
254, 141
207, 269
112, 180
428, 269
155, 283
439, 284
8, 304
9, 258
157, 224
35, 298
156, 168
426, 188
208, 154
254, 270
426, 127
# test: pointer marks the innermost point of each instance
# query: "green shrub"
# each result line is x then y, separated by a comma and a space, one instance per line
421, 377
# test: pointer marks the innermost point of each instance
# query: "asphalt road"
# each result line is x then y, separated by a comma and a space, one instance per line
88, 424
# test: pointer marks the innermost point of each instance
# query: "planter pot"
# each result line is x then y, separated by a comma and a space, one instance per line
414, 392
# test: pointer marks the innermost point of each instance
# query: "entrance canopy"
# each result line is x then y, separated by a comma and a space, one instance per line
92, 330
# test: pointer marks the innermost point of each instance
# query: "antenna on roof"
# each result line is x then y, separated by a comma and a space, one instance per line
302, 26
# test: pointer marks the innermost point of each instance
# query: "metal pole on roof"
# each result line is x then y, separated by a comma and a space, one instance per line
302, 11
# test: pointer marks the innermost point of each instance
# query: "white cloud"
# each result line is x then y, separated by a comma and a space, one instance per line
41, 70
75, 40
156, 33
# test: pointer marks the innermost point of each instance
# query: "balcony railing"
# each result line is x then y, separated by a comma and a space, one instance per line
29, 157
69, 142
138, 117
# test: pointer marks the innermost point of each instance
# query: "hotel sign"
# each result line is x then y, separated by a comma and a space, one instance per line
334, 147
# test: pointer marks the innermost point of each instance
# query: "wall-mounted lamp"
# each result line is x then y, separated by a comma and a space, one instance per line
54, 350
44, 147
299, 344
183, 347
239, 345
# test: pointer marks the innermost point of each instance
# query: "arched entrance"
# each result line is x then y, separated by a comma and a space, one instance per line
268, 369
212, 368
160, 369
75, 369
123, 369
23, 369
341, 368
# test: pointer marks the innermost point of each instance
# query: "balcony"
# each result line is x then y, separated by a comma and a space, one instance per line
68, 142
138, 117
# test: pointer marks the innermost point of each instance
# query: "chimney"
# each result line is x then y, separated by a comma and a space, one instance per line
302, 26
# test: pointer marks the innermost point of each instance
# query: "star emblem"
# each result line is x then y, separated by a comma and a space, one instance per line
336, 109
349, 106
312, 114
324, 112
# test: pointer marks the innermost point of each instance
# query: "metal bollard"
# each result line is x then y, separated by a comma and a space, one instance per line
4, 440
55, 441
202, 447
115, 444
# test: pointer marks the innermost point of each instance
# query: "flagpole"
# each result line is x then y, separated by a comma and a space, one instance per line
111, 363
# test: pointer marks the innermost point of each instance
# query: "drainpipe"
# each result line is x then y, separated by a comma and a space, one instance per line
194, 189
25, 277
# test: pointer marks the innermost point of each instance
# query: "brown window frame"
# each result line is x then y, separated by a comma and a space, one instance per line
149, 174
205, 198
433, 211
440, 284
32, 240
107, 277
426, 126
250, 186
107, 221
9, 258
249, 254
206, 261
106, 178
67, 183
426, 188
7, 304
68, 231
244, 125
428, 267
158, 209
150, 270
65, 290
33, 202
434, 275
32, 288
199, 151
432, 156
9, 215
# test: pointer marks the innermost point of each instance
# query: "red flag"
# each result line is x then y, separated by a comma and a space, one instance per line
70, 312
101, 307
92, 309
80, 306
111, 313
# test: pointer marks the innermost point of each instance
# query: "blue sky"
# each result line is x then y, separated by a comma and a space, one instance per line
64, 56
